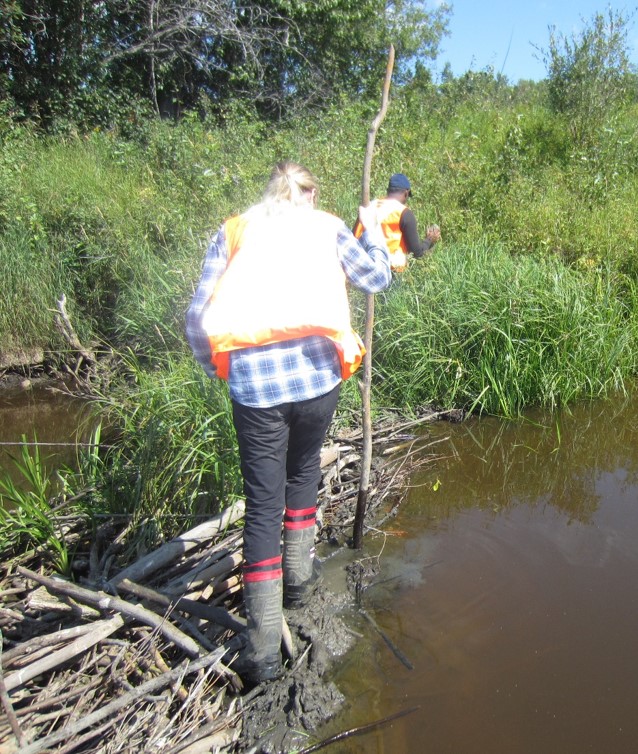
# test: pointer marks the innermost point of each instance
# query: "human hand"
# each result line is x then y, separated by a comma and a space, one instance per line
433, 234
368, 217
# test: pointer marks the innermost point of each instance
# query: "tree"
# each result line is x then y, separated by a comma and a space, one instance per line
589, 72
44, 55
85, 60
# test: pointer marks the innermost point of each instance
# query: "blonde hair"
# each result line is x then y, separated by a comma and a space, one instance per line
288, 183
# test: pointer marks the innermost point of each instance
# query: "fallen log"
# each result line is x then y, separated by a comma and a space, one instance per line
173, 550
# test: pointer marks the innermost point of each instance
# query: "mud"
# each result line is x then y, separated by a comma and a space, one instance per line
283, 715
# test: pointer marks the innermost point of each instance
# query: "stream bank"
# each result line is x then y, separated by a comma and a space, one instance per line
127, 654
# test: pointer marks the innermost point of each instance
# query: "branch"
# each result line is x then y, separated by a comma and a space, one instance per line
99, 630
366, 460
105, 601
150, 687
8, 707
173, 550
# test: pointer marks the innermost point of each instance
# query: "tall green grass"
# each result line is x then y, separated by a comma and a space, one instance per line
37, 508
120, 224
32, 280
474, 326
173, 453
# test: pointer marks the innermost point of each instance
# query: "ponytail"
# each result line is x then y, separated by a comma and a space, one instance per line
288, 183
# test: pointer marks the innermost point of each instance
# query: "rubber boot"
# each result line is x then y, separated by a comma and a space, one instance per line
302, 570
260, 661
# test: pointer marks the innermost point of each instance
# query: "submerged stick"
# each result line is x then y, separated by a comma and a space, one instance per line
358, 731
366, 460
393, 647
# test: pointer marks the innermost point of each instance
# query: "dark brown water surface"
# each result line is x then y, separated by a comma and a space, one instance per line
509, 581
44, 413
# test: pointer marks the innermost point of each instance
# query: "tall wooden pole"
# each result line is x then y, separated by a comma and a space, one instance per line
366, 457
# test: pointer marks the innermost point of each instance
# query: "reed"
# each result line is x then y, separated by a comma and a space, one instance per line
27, 515
473, 326
173, 455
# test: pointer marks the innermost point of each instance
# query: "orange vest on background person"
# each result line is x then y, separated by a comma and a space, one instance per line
283, 280
389, 213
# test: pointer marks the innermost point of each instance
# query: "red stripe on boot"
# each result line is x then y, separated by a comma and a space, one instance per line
296, 525
297, 512
302, 518
250, 578
263, 569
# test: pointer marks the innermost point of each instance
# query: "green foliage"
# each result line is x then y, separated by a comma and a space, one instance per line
32, 279
174, 457
529, 299
27, 517
74, 64
588, 73
119, 224
476, 327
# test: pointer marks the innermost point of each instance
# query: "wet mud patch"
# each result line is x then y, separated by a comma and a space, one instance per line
281, 716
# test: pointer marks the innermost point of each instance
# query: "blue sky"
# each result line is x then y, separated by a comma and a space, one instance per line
500, 34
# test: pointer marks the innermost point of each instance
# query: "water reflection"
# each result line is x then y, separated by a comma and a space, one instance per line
511, 587
546, 460
44, 412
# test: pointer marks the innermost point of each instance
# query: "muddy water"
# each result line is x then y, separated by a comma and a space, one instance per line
46, 414
509, 583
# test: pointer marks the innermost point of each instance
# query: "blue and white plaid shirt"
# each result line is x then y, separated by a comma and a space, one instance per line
292, 370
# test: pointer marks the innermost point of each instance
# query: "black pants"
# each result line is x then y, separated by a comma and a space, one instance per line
280, 449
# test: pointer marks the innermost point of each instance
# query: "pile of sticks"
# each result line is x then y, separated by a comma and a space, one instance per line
138, 660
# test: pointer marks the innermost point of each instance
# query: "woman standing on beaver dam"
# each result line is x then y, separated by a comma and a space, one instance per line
271, 316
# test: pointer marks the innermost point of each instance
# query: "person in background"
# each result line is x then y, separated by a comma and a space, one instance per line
271, 316
398, 224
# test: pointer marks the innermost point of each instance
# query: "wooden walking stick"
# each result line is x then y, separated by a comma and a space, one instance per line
366, 457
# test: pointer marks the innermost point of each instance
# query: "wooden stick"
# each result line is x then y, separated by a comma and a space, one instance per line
366, 461
207, 612
65, 327
149, 687
173, 550
358, 731
8, 707
45, 642
207, 574
105, 601
101, 630
393, 647
372, 132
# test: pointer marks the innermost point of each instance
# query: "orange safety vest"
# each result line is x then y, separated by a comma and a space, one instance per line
389, 213
283, 280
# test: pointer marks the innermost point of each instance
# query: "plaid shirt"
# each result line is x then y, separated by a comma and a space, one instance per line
292, 370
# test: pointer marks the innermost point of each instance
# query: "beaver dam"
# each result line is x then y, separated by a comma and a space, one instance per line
132, 657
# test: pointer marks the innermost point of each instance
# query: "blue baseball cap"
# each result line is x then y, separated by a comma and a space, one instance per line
399, 182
